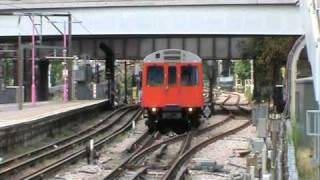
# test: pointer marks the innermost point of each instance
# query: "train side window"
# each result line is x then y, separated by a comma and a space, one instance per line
172, 75
189, 75
155, 76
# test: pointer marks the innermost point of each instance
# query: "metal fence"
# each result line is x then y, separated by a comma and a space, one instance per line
313, 129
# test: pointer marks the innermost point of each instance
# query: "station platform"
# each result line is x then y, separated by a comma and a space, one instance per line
11, 116
21, 127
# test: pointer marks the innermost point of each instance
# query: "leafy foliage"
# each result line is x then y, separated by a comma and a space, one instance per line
242, 69
270, 55
56, 73
9, 69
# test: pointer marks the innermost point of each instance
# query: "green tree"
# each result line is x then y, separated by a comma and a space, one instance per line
270, 55
242, 69
56, 73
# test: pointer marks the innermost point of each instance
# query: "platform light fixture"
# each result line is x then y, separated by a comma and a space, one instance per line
190, 109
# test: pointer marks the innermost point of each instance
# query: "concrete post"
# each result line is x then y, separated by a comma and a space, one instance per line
20, 74
133, 125
264, 160
70, 62
33, 67
90, 152
252, 174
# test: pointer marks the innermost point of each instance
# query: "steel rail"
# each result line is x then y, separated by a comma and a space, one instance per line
223, 105
37, 151
80, 153
136, 156
225, 101
172, 140
185, 145
181, 172
61, 149
138, 142
139, 173
187, 155
121, 167
238, 103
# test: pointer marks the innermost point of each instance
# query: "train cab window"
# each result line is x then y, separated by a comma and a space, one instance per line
189, 76
172, 75
155, 76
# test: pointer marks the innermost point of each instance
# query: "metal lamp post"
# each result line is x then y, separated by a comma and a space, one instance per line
65, 70
64, 55
33, 86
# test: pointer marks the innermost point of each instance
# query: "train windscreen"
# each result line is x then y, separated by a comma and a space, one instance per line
172, 75
189, 75
155, 76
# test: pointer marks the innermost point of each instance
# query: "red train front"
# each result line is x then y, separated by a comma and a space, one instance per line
172, 90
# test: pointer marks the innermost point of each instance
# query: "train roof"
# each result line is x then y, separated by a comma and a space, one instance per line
172, 55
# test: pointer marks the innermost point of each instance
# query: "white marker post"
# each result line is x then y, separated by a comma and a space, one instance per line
91, 147
252, 174
133, 125
264, 160
94, 91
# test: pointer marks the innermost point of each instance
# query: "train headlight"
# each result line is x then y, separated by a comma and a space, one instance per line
190, 110
154, 109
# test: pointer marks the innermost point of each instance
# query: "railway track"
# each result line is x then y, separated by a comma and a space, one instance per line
143, 150
184, 147
142, 142
35, 152
182, 159
177, 169
144, 146
47, 159
131, 161
244, 109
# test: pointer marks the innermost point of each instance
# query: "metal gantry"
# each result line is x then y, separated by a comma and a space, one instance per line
66, 49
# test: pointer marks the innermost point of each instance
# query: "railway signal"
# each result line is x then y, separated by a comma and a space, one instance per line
109, 70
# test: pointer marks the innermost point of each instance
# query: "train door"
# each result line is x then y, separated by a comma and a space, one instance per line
171, 87
154, 85
191, 86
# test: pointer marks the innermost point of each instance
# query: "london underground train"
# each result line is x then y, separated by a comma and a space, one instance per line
172, 90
